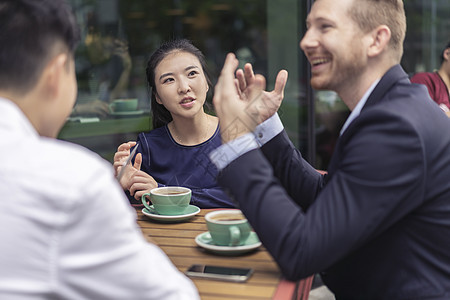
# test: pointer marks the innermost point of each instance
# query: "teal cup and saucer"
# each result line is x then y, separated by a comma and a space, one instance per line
125, 107
229, 233
169, 204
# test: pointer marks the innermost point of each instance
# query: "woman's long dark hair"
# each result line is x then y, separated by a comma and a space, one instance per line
160, 115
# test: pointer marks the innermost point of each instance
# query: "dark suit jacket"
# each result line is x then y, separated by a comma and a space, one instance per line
378, 225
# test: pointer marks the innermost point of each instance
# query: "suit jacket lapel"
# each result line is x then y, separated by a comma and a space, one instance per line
392, 76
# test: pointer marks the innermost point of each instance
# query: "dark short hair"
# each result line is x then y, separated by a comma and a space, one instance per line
30, 30
442, 53
160, 115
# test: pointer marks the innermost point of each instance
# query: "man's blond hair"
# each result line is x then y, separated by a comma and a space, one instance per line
369, 14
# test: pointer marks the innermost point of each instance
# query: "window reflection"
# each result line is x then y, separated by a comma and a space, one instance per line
118, 36
117, 39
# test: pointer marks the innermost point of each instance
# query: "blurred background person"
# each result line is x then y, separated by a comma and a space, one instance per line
105, 73
438, 82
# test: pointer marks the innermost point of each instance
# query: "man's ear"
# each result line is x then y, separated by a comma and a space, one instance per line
380, 38
53, 75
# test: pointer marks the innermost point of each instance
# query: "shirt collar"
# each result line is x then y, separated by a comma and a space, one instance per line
13, 118
357, 110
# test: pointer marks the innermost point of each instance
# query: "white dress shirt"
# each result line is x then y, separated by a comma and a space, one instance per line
357, 110
67, 230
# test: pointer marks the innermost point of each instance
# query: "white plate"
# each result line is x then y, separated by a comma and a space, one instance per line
191, 211
127, 113
205, 241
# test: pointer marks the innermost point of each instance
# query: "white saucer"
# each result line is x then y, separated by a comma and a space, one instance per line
191, 211
127, 113
204, 240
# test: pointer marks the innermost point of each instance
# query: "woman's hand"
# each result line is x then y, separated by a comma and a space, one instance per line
141, 183
134, 180
120, 157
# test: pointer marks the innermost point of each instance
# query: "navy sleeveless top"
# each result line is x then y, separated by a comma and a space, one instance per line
170, 163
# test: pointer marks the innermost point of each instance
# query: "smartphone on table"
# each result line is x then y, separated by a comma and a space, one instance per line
219, 273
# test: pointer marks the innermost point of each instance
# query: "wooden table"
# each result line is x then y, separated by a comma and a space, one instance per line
177, 241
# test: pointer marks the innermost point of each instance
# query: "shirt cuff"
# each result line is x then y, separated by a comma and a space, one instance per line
267, 130
223, 155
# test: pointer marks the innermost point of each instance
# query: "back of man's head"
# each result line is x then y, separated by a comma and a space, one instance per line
31, 32
369, 14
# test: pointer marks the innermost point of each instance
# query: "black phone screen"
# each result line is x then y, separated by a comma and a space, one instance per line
218, 272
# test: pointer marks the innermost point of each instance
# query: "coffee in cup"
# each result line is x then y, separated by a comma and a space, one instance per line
228, 227
168, 200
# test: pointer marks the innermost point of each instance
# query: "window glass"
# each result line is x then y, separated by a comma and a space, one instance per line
427, 33
119, 36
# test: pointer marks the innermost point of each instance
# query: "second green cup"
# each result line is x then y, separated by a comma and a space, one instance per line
228, 227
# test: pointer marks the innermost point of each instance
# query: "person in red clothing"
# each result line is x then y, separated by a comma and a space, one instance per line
438, 83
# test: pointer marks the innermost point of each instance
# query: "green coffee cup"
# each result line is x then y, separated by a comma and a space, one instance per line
124, 105
168, 200
228, 227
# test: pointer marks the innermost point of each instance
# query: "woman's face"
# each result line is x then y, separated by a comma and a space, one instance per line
181, 85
